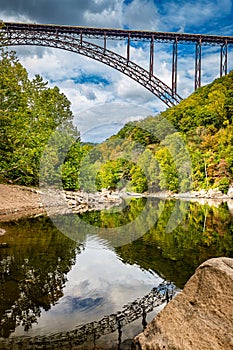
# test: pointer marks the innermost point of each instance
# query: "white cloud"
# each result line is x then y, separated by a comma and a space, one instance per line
183, 15
100, 121
109, 17
142, 14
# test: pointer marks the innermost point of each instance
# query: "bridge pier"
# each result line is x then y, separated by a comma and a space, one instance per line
174, 67
105, 42
223, 59
151, 65
197, 82
81, 38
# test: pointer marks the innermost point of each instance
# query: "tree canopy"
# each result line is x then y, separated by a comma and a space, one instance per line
30, 112
189, 146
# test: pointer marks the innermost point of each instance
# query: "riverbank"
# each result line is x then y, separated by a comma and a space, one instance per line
21, 201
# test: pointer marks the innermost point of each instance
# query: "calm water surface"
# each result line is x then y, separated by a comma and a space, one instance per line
51, 283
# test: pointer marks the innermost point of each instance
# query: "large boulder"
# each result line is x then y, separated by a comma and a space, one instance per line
198, 318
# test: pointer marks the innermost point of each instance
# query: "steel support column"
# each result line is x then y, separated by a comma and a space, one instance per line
198, 65
223, 59
128, 49
105, 42
174, 67
81, 38
151, 66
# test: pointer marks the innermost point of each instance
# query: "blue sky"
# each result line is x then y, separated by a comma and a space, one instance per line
95, 89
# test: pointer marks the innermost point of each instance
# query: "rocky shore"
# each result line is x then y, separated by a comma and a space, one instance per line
214, 193
21, 201
198, 318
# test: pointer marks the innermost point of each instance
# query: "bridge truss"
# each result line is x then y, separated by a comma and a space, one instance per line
82, 40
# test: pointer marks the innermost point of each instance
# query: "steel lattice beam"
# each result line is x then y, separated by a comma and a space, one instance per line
75, 39
102, 54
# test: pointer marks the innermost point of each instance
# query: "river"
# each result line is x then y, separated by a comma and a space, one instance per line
53, 282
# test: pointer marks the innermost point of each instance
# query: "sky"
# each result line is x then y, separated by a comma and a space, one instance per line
102, 98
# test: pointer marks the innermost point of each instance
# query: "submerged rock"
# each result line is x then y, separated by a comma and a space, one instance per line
230, 192
4, 245
198, 318
2, 232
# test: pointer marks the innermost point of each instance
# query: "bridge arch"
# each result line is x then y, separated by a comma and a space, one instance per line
102, 54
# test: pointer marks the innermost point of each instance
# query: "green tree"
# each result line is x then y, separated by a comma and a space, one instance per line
138, 179
30, 112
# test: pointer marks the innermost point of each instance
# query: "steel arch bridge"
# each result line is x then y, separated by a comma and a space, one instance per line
82, 40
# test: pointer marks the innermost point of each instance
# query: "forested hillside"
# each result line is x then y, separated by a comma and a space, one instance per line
187, 147
152, 153
205, 118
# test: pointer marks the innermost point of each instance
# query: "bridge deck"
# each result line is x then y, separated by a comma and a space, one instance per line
121, 34
82, 40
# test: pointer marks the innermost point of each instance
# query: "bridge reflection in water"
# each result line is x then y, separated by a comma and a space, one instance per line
92, 331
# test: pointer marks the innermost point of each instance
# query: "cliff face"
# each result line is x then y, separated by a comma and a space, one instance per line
198, 318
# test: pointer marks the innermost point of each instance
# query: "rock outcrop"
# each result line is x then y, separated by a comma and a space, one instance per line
198, 318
